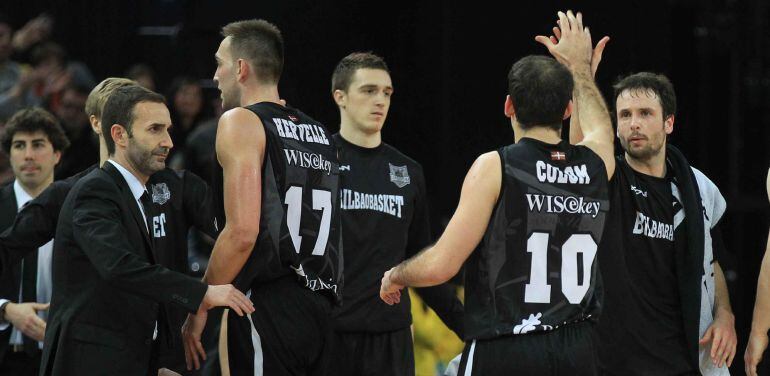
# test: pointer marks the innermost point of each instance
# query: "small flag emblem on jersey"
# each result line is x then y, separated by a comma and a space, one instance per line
558, 156
160, 193
399, 175
293, 118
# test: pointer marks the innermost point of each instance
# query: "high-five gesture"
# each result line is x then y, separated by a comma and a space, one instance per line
596, 56
574, 48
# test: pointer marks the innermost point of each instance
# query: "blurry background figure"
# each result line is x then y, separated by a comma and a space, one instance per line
143, 74
71, 112
185, 97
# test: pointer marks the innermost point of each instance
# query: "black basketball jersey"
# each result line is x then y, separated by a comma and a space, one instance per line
535, 268
299, 223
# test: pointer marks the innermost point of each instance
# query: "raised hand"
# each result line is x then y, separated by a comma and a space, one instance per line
573, 41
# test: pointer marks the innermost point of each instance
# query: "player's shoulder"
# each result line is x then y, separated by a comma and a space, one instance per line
168, 176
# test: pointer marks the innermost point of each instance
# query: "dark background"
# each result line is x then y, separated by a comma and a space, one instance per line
449, 62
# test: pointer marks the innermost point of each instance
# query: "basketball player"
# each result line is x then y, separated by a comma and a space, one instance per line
656, 318
528, 222
761, 323
384, 221
280, 238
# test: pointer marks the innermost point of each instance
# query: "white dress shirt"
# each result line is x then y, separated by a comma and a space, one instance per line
44, 285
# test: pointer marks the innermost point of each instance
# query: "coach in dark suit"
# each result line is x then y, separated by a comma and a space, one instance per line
105, 309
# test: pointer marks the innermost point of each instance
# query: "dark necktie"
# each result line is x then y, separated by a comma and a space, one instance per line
148, 212
29, 294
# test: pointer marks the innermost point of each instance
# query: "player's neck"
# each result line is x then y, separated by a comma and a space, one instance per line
359, 138
544, 134
259, 93
653, 166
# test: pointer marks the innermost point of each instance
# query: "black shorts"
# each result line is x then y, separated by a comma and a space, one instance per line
373, 354
568, 350
289, 333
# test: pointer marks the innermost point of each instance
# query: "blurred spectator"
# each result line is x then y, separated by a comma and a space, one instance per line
200, 156
33, 32
10, 72
45, 82
84, 148
186, 100
143, 74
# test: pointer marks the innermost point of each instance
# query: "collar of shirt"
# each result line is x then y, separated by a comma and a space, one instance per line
22, 197
137, 188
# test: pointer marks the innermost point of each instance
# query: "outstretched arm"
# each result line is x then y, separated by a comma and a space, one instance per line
438, 263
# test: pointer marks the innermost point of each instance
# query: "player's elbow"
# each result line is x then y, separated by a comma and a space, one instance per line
438, 273
243, 237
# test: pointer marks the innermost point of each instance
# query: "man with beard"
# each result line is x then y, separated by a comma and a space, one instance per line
280, 238
662, 281
109, 293
181, 200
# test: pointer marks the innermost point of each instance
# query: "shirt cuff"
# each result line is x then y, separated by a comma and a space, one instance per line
4, 324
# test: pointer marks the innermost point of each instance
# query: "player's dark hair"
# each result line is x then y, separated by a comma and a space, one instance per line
347, 67
649, 82
119, 109
261, 44
540, 88
31, 120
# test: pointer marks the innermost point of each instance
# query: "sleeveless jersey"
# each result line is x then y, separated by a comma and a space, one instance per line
299, 222
535, 268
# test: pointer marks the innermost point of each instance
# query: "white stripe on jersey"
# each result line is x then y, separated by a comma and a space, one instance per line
256, 343
469, 363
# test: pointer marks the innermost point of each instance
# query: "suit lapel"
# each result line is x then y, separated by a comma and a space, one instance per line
133, 206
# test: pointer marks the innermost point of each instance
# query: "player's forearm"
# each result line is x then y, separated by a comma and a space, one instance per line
230, 253
721, 294
761, 321
575, 132
592, 113
423, 270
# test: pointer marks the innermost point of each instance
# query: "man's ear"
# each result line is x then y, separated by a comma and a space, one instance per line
119, 135
508, 109
668, 124
568, 110
243, 70
340, 97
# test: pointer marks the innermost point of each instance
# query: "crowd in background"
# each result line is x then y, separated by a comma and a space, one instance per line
36, 71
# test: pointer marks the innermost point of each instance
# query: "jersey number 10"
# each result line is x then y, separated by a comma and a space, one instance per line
322, 200
538, 290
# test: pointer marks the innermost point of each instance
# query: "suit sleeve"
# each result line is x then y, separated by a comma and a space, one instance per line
100, 233
442, 298
199, 204
34, 226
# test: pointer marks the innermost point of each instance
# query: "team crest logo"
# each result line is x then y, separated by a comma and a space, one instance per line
399, 175
160, 193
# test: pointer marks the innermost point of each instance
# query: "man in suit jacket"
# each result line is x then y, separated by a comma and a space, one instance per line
105, 308
34, 140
